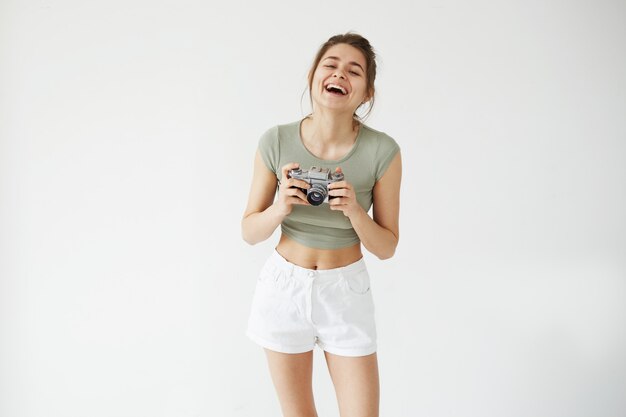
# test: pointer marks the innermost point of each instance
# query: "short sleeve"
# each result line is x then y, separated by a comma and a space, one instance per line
387, 149
269, 148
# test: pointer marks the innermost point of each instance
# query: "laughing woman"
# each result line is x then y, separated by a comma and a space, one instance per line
315, 287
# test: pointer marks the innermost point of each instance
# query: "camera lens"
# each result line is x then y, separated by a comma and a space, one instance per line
316, 195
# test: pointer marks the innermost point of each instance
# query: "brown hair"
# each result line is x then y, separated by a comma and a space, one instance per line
363, 45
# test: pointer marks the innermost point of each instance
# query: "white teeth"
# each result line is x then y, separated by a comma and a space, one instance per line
343, 90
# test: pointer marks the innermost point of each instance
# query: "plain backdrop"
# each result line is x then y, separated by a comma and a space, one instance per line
127, 137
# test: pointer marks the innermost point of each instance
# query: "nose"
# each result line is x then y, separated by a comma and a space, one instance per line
339, 74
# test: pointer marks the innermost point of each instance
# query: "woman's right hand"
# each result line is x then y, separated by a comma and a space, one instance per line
288, 194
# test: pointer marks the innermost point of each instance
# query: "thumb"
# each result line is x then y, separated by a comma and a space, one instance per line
286, 168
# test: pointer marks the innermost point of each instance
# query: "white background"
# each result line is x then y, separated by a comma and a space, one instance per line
127, 136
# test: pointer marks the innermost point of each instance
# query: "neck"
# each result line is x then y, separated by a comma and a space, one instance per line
332, 128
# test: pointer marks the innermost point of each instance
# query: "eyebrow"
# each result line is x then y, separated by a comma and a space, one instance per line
351, 62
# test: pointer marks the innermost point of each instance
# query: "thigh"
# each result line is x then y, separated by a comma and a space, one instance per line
292, 377
344, 314
356, 384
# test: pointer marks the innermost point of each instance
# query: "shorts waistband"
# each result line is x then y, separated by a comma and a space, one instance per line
321, 274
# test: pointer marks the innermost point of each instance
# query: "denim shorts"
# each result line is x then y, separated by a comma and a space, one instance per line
295, 308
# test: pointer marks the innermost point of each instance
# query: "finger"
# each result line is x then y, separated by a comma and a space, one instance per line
287, 167
292, 182
339, 192
303, 202
299, 200
290, 187
339, 184
295, 192
300, 194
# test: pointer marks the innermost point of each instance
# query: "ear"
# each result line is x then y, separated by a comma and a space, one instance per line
368, 96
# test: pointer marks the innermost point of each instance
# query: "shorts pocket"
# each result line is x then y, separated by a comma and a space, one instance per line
357, 282
271, 277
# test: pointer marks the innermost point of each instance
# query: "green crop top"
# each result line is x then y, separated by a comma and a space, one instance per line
367, 161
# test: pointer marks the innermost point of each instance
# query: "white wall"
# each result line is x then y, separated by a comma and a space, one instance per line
127, 134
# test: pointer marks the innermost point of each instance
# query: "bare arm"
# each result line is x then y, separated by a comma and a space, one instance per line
263, 215
379, 235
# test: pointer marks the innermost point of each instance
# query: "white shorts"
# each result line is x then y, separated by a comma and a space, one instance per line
294, 308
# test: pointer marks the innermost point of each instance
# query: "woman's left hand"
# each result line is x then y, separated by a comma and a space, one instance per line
345, 198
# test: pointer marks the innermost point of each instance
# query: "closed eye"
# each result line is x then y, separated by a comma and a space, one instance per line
351, 72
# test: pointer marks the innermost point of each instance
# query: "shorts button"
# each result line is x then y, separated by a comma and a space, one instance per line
311, 274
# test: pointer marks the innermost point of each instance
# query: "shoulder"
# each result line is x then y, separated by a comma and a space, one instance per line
270, 143
380, 147
274, 134
381, 141
269, 135
288, 130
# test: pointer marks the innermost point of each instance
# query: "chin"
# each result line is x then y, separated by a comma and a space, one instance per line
333, 105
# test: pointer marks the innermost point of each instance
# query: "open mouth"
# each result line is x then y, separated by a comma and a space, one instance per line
336, 90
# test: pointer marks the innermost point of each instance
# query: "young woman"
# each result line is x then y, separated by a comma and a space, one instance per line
315, 288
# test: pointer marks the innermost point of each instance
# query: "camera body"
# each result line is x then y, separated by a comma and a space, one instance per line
319, 179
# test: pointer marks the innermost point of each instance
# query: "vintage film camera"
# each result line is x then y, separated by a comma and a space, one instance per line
319, 179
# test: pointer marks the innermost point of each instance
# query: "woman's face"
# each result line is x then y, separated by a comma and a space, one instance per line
339, 81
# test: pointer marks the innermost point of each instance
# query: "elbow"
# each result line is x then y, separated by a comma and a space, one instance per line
245, 235
388, 251
247, 238
385, 255
248, 241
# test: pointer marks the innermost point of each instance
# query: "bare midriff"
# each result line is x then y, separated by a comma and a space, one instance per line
313, 258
